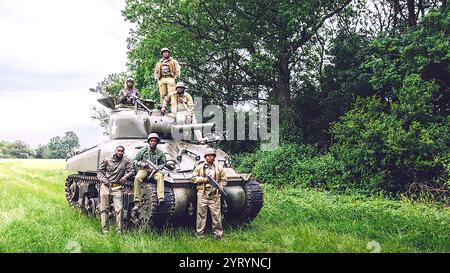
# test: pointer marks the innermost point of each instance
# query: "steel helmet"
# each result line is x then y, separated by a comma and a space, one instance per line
210, 151
180, 84
153, 135
165, 49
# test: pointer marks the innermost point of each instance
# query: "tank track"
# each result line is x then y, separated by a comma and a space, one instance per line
82, 191
150, 213
254, 201
77, 186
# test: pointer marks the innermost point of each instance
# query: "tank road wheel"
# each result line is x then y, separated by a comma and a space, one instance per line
254, 199
152, 214
72, 190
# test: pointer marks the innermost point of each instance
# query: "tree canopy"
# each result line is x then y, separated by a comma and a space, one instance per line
363, 82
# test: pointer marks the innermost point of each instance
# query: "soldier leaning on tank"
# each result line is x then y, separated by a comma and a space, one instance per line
182, 102
112, 173
167, 70
125, 95
157, 157
207, 195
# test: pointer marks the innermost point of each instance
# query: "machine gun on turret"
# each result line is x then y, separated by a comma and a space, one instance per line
138, 101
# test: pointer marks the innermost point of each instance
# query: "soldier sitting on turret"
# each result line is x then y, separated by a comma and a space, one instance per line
182, 103
126, 94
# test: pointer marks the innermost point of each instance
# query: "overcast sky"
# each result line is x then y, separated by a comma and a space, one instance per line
51, 53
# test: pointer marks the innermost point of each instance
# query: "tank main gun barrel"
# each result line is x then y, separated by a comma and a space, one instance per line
197, 126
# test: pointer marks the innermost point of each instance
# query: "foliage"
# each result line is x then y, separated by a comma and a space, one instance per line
277, 166
322, 171
16, 149
231, 52
111, 85
59, 147
400, 136
108, 87
42, 151
102, 116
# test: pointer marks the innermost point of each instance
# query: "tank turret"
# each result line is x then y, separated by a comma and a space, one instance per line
138, 124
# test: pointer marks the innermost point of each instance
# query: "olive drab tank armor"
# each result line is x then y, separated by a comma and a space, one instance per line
131, 127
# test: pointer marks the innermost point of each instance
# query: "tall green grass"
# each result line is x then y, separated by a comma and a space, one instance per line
34, 217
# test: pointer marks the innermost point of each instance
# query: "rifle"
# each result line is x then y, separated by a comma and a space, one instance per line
154, 167
216, 185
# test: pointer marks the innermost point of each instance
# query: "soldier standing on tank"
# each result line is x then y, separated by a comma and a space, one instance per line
112, 173
126, 94
207, 195
157, 157
167, 70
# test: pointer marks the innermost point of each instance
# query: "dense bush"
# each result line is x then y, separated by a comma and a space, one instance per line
322, 171
277, 166
400, 137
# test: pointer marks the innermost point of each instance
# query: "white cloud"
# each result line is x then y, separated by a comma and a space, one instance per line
35, 117
51, 53
64, 36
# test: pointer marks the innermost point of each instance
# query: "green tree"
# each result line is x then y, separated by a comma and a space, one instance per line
42, 151
398, 138
16, 149
230, 51
108, 87
60, 147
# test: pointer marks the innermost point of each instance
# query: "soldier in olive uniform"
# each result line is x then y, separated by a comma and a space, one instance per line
125, 95
207, 195
167, 70
157, 157
112, 173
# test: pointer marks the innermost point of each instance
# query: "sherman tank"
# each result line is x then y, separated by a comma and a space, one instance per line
129, 126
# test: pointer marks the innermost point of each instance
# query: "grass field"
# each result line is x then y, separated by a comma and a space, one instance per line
34, 217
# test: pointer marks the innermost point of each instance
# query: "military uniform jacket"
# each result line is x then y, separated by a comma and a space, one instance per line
174, 68
157, 157
199, 173
113, 169
174, 99
124, 99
